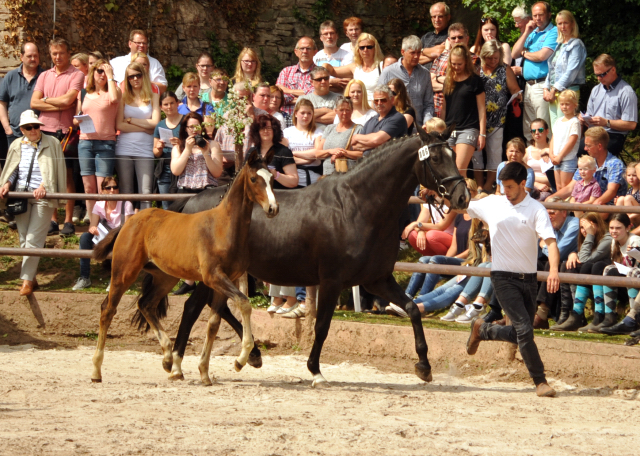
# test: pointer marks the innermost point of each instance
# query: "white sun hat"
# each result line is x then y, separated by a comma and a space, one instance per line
29, 117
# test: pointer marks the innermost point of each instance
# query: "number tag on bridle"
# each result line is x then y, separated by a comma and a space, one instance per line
423, 153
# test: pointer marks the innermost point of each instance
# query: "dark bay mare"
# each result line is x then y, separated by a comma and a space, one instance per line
210, 246
340, 232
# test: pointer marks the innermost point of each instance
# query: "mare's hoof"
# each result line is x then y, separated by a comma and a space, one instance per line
176, 377
96, 380
320, 382
424, 373
167, 365
255, 361
237, 366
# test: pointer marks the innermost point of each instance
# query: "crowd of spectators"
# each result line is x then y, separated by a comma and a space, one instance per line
104, 118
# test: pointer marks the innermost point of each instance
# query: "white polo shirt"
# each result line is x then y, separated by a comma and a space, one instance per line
338, 58
120, 64
514, 230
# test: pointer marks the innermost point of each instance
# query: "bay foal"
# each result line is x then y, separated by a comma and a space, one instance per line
209, 247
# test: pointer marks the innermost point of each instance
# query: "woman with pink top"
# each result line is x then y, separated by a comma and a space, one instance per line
97, 150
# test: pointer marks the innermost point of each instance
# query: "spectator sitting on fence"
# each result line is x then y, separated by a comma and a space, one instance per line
110, 214
586, 190
632, 198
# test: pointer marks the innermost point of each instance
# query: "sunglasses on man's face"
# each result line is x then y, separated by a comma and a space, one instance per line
31, 127
362, 48
602, 75
131, 77
111, 187
322, 78
539, 130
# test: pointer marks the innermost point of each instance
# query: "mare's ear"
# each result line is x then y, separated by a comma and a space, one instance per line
447, 132
424, 136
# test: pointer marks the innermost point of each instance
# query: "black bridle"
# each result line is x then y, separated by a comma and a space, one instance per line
424, 155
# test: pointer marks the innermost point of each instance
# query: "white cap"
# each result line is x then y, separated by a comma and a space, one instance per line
28, 118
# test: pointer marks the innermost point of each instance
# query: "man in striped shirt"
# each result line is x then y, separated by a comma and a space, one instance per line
295, 80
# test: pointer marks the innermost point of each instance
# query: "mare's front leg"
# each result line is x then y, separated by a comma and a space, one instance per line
221, 283
200, 297
389, 289
328, 296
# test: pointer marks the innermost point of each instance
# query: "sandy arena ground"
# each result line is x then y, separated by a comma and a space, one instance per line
48, 405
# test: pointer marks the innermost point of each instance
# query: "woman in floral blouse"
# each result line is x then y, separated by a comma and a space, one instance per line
499, 84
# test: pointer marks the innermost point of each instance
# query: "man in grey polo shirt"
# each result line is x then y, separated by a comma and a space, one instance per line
613, 104
16, 90
415, 78
322, 98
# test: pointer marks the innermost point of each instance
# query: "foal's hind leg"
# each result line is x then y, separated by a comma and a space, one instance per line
219, 301
121, 279
148, 304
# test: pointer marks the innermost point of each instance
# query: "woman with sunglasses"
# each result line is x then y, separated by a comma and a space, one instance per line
357, 93
35, 164
248, 68
366, 66
138, 115
489, 30
205, 66
143, 59
403, 103
96, 151
566, 64
109, 214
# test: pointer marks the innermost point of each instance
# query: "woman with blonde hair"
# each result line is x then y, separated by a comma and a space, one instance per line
403, 103
80, 62
366, 66
301, 139
142, 59
566, 64
138, 115
248, 67
462, 90
357, 93
204, 66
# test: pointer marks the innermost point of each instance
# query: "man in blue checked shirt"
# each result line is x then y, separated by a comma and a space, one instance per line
610, 172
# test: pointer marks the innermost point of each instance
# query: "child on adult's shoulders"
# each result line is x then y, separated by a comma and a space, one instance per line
586, 190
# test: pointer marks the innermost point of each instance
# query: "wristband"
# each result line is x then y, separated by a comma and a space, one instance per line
277, 175
484, 136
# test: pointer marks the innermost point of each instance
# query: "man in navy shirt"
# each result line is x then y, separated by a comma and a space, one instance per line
387, 125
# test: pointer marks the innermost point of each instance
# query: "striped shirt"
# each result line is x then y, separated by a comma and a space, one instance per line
27, 149
294, 78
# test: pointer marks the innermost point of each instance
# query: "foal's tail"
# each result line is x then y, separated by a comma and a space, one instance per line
105, 247
143, 300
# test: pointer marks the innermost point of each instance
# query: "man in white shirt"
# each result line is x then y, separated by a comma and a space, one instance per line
516, 221
138, 42
332, 54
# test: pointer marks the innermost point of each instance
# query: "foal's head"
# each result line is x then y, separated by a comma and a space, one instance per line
259, 183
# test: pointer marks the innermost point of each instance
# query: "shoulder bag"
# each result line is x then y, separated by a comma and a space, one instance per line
17, 206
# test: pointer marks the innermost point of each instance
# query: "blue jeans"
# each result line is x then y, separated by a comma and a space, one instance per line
97, 157
427, 282
164, 184
443, 296
301, 293
86, 243
478, 286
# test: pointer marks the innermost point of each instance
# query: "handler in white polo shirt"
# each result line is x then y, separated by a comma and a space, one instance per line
516, 222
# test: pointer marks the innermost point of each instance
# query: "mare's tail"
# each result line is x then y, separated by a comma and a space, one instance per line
105, 247
142, 300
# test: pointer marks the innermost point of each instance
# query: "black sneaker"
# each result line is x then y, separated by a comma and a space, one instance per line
68, 229
53, 229
184, 289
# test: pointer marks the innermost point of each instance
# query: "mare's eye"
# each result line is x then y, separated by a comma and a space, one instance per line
253, 179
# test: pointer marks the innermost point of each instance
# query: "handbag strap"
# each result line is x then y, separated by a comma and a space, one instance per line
33, 158
350, 136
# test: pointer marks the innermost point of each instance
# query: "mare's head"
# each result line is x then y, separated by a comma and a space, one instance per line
259, 183
436, 169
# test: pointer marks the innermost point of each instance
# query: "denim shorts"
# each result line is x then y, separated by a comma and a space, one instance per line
97, 157
469, 136
567, 166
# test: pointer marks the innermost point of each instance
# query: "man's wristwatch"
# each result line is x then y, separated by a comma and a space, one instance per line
608, 123
44, 99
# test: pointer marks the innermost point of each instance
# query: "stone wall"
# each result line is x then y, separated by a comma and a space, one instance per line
276, 32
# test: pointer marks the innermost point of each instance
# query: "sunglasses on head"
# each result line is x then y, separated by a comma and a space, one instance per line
322, 78
131, 77
484, 20
111, 187
393, 92
539, 130
31, 127
362, 48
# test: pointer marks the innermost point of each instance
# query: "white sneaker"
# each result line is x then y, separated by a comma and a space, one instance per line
81, 284
77, 214
273, 309
398, 311
283, 310
469, 315
454, 312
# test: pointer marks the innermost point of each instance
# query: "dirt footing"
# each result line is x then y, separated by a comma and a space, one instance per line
71, 319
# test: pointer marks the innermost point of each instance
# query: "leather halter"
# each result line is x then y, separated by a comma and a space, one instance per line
424, 154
